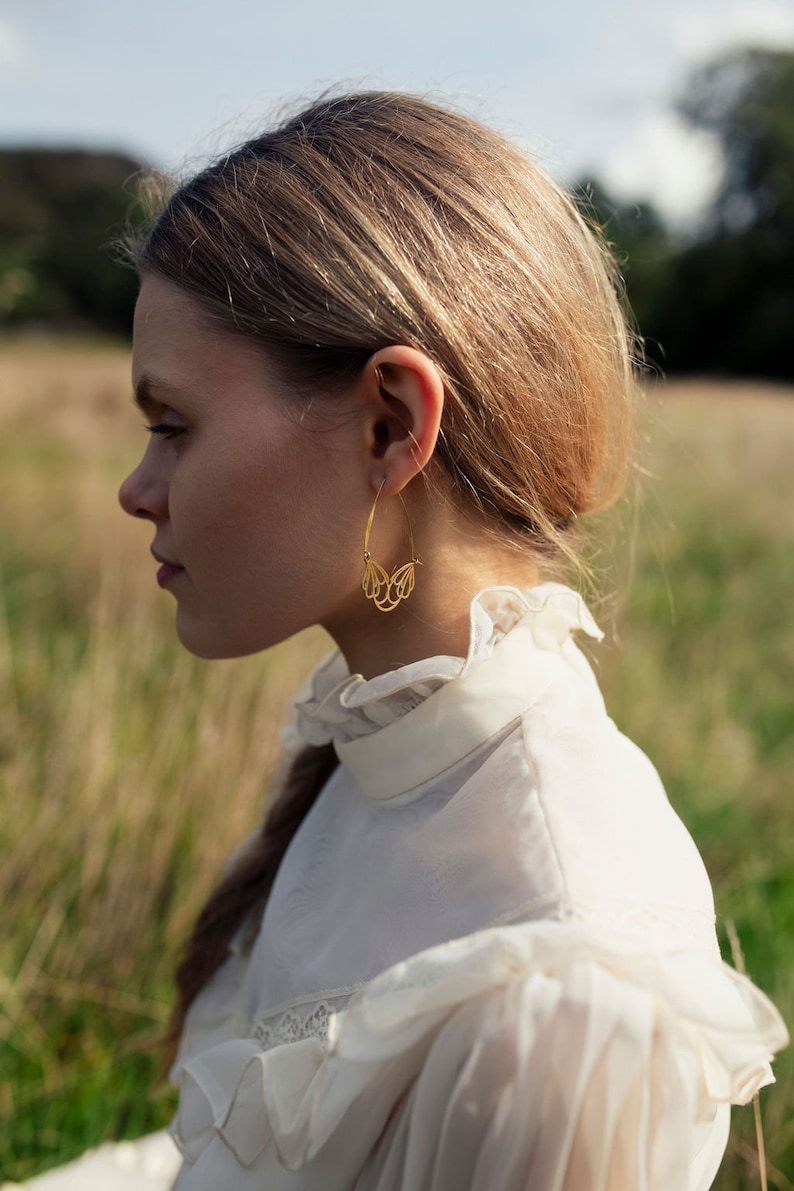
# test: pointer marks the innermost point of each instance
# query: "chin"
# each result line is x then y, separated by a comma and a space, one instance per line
204, 643
213, 645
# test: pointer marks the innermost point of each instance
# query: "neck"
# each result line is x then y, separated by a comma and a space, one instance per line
435, 617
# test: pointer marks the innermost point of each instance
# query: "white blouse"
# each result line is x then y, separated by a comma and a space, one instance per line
488, 961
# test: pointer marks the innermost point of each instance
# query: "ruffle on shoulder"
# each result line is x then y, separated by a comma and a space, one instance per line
533, 1055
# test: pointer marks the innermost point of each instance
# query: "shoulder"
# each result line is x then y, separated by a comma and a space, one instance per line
522, 1055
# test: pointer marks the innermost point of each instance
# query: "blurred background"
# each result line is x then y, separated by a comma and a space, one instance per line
128, 770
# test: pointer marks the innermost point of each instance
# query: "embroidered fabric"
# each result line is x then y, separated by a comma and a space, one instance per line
312, 1018
665, 927
672, 927
290, 1027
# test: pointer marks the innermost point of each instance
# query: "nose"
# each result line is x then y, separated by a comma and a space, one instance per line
144, 493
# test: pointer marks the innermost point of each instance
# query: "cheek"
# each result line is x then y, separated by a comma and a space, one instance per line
248, 496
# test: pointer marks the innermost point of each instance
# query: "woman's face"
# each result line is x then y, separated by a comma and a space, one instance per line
255, 501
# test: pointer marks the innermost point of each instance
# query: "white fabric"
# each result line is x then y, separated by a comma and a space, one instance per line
149, 1164
488, 960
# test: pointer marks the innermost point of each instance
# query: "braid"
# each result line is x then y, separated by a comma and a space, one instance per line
243, 892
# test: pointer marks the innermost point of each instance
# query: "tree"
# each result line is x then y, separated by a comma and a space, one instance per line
641, 243
746, 100
723, 302
59, 211
729, 306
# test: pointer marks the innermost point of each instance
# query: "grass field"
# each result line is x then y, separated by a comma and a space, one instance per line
128, 769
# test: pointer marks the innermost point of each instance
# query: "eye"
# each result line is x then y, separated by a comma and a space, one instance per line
166, 429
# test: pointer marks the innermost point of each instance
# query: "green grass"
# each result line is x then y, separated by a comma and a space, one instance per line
128, 769
703, 681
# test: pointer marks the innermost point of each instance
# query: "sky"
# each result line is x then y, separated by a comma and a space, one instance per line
587, 86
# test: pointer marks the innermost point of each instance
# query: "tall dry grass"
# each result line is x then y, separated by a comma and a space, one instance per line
129, 770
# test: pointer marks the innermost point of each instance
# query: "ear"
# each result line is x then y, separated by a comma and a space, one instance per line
405, 416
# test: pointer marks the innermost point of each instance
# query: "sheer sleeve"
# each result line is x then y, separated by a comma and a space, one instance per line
537, 1056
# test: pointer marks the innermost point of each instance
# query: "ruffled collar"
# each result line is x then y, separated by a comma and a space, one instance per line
367, 719
341, 706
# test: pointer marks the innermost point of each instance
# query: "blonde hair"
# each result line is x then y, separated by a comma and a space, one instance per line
380, 218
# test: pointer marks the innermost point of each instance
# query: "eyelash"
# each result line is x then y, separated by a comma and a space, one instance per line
166, 431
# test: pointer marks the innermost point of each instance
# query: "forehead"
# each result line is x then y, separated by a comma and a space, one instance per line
166, 320
176, 340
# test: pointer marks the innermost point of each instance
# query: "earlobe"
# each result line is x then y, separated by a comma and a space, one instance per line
405, 432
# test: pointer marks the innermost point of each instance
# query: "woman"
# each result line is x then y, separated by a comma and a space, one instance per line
385, 372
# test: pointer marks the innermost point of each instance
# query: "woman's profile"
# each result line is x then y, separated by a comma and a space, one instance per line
385, 374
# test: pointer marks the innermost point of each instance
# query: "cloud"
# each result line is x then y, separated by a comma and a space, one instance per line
12, 51
702, 34
659, 156
666, 160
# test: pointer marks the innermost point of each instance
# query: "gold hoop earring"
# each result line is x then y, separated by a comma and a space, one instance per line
387, 591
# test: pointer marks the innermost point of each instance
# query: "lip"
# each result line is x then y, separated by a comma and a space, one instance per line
168, 570
167, 573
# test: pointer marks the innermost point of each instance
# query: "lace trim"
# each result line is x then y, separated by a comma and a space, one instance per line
288, 1024
671, 926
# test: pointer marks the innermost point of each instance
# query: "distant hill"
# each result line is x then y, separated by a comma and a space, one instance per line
59, 212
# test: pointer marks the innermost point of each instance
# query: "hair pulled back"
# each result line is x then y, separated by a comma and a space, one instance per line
378, 218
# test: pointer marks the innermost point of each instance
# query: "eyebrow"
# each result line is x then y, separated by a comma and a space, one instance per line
144, 393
